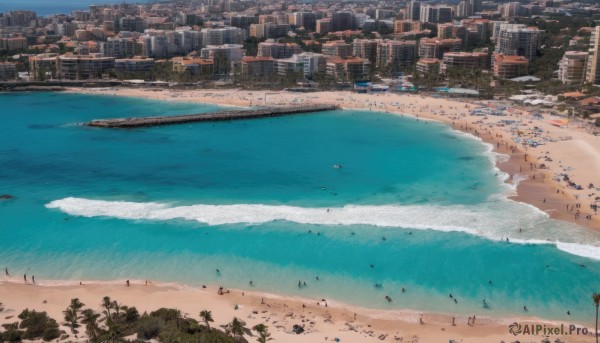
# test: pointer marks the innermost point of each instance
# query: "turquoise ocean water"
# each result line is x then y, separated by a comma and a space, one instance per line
260, 200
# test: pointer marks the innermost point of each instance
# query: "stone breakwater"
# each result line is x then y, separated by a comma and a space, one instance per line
214, 116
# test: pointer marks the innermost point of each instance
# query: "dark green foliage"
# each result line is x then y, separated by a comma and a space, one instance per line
118, 321
12, 333
38, 325
171, 333
174, 328
251, 45
166, 314
148, 327
131, 315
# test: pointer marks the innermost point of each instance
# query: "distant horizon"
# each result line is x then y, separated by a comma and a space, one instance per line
43, 7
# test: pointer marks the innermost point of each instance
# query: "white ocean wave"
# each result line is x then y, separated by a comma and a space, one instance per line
498, 220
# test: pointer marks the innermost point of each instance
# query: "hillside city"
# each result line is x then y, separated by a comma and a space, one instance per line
544, 49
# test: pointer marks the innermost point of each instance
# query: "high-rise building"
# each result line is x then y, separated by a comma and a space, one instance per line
476, 5
277, 50
572, 67
401, 26
313, 64
447, 30
365, 48
397, 54
118, 48
220, 36
593, 62
257, 67
337, 48
428, 66
510, 10
413, 11
518, 39
436, 14
509, 67
243, 21
308, 20
134, 65
436, 48
77, 67
21, 18
8, 71
465, 61
133, 24
13, 43
341, 21
43, 66
464, 9
355, 69
323, 26
231, 52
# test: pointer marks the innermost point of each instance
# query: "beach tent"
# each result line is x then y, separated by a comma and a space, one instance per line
559, 122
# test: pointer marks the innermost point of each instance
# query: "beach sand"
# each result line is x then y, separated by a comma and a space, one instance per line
321, 324
579, 157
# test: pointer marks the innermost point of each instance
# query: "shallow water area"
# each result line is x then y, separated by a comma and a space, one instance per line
414, 205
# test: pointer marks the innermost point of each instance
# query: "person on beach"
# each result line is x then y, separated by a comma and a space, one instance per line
453, 321
127, 283
25, 277
6, 272
32, 278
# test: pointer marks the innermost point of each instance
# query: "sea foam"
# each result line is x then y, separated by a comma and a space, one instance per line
500, 219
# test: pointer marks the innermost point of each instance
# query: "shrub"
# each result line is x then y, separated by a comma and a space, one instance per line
148, 327
37, 325
12, 333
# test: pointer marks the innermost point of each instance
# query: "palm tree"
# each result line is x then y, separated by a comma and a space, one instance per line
71, 318
90, 320
207, 317
263, 333
119, 311
596, 299
237, 328
76, 304
107, 304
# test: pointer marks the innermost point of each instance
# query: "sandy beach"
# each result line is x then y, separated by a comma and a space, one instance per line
321, 323
562, 150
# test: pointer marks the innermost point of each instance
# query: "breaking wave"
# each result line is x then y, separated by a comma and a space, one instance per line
498, 219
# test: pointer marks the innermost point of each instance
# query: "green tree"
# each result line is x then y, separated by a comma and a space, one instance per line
206, 317
90, 320
71, 319
37, 325
263, 333
237, 329
107, 305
